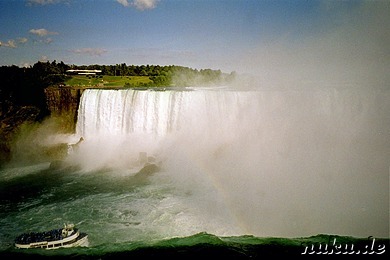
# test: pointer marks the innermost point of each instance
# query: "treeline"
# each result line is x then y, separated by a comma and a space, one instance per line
25, 86
164, 75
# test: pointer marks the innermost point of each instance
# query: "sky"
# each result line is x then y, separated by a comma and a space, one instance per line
291, 39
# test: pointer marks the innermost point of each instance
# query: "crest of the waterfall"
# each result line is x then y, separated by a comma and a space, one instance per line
108, 113
120, 123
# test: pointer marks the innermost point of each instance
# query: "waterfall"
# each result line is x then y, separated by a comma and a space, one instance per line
281, 161
158, 113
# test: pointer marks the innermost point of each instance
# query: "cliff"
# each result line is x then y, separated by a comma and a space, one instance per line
12, 118
63, 103
17, 123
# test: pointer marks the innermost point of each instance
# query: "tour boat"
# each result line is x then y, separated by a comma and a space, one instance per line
68, 236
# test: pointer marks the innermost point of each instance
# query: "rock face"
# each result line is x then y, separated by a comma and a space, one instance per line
63, 103
11, 119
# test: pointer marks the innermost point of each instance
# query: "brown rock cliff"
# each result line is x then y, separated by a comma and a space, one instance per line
63, 103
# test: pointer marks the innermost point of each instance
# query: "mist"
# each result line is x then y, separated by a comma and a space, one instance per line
297, 171
269, 163
349, 50
39, 142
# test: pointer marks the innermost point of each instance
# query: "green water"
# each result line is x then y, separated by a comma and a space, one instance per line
130, 214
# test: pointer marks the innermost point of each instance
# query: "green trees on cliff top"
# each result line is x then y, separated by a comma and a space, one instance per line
22, 85
163, 75
25, 86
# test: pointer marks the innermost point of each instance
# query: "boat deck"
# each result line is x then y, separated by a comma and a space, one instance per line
35, 237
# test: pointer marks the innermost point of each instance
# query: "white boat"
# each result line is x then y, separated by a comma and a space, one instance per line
68, 236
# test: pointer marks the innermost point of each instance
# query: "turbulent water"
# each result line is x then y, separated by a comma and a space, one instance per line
218, 167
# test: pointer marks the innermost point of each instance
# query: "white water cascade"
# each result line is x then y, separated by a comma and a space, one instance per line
158, 113
283, 162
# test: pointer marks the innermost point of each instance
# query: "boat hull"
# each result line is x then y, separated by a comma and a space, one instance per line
53, 239
81, 240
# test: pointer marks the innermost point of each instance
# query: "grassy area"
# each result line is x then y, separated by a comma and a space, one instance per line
106, 81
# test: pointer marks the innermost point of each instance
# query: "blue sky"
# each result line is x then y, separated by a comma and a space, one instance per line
257, 36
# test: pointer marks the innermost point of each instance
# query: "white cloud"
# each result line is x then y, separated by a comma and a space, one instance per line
139, 4
44, 59
44, 2
144, 4
48, 40
9, 43
90, 51
22, 40
25, 64
123, 2
12, 43
42, 32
